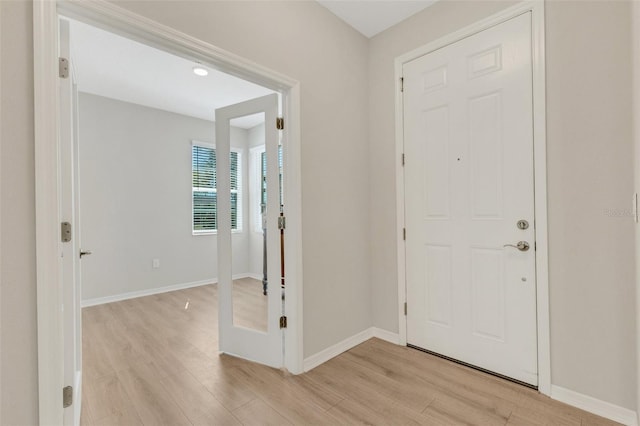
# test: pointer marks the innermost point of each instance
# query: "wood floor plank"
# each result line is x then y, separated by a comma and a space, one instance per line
369, 390
95, 363
225, 387
114, 403
355, 378
258, 413
348, 412
323, 396
407, 362
199, 406
445, 383
152, 402
449, 408
534, 406
274, 390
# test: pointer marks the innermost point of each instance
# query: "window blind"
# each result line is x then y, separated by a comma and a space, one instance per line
204, 189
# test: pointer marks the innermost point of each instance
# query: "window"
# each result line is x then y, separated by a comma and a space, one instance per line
258, 185
204, 191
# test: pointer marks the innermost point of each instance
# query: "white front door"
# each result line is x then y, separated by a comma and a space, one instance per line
468, 127
249, 326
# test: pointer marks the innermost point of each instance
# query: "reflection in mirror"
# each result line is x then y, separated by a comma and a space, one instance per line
248, 205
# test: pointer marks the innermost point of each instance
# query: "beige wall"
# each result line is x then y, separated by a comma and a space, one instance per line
635, 11
590, 172
17, 237
590, 162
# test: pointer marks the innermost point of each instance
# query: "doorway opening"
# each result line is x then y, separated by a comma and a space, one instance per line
117, 179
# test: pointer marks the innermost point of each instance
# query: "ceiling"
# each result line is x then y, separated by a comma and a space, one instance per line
371, 17
108, 65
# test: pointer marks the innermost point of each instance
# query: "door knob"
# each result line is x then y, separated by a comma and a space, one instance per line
521, 245
84, 253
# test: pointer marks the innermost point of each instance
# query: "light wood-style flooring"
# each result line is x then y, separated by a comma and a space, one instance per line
150, 361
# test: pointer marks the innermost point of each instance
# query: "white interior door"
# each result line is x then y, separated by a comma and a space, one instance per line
468, 182
239, 334
70, 251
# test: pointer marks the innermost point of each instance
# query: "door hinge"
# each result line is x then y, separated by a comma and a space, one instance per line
404, 234
282, 222
402, 84
283, 322
635, 207
65, 232
403, 159
63, 67
67, 396
280, 123
405, 308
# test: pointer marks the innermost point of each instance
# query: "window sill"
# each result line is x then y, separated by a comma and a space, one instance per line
197, 233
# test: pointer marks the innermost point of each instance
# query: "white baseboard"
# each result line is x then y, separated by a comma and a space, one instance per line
248, 275
141, 293
166, 289
595, 406
386, 335
332, 351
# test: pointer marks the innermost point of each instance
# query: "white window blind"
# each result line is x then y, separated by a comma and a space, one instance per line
204, 189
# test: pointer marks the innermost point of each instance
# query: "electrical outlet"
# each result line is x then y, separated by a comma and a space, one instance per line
156, 263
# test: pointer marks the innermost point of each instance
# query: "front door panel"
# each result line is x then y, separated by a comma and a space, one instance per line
468, 181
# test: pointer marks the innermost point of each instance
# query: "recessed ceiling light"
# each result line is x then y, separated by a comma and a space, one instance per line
198, 70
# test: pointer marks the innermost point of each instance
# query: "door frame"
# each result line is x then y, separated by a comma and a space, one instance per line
104, 14
536, 8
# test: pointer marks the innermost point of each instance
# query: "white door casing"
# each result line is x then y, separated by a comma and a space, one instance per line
69, 251
263, 347
469, 178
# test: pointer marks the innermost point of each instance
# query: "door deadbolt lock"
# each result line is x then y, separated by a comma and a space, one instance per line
521, 245
522, 224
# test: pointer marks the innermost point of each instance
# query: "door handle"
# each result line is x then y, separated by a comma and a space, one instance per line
84, 253
521, 245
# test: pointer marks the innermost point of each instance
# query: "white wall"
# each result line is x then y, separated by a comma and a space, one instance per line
589, 172
135, 199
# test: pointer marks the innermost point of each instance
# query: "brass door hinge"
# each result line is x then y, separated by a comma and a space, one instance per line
283, 322
280, 123
402, 84
405, 309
